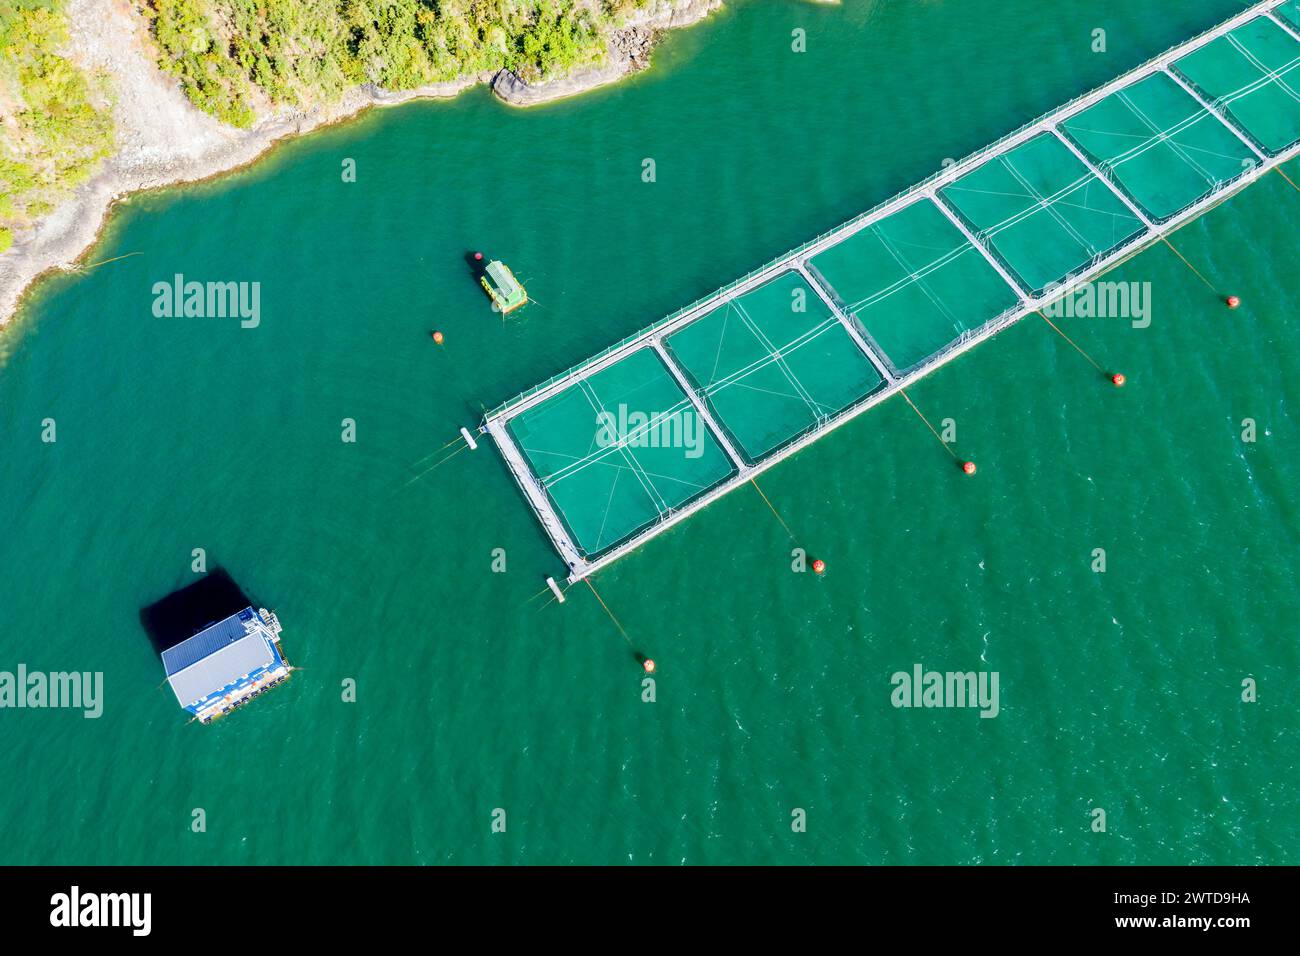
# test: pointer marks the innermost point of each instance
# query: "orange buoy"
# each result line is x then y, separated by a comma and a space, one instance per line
1233, 302
819, 566
649, 665
968, 467
1118, 379
437, 338
478, 257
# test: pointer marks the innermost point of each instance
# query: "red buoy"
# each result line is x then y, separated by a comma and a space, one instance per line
649, 665
1118, 379
437, 338
478, 257
968, 467
819, 566
1233, 302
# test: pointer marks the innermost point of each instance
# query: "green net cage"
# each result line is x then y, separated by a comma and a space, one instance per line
1042, 212
619, 451
1249, 74
914, 283
773, 364
1161, 147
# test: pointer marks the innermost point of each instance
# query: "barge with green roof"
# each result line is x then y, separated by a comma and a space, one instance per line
506, 292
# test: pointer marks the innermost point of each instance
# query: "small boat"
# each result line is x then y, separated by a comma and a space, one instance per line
505, 291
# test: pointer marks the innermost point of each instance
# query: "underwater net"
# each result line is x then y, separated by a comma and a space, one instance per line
1042, 212
772, 364
1158, 145
914, 283
619, 450
1250, 75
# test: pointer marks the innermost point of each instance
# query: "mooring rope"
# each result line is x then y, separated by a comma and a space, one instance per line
909, 401
1070, 340
774, 511
610, 613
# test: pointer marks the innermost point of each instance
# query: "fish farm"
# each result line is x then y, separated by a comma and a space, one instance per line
754, 372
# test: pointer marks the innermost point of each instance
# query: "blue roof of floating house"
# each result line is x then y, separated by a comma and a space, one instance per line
218, 656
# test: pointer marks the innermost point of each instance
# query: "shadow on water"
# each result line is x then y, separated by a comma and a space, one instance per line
477, 264
182, 614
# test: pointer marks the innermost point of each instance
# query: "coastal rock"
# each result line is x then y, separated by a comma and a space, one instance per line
627, 51
512, 89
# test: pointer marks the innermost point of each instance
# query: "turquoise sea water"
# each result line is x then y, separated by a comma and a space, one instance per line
1119, 690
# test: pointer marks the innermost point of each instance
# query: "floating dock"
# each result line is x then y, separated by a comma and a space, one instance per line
506, 292
623, 446
226, 664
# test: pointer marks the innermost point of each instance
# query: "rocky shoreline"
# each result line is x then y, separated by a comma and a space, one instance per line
163, 140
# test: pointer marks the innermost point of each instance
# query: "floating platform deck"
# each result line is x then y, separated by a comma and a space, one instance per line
623, 446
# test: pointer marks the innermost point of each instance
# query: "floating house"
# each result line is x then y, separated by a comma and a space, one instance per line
226, 663
502, 287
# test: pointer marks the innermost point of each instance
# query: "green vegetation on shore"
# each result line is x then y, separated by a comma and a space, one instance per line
55, 124
236, 58
233, 55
